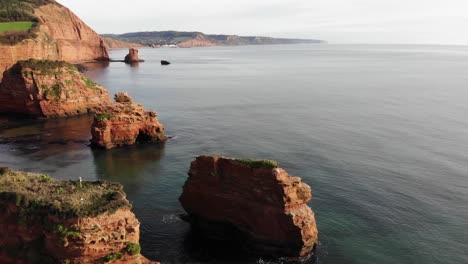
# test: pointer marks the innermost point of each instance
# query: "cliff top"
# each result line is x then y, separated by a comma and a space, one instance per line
18, 20
270, 164
40, 192
43, 65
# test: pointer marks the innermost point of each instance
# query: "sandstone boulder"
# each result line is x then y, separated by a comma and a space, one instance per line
257, 199
124, 123
50, 89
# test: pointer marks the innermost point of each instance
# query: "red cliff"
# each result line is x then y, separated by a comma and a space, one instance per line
256, 198
43, 220
124, 123
48, 89
61, 35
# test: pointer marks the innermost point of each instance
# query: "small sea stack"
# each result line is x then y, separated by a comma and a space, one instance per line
132, 56
48, 89
124, 123
43, 220
255, 202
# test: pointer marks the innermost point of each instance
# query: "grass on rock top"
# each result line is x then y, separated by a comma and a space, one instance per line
40, 193
259, 163
16, 26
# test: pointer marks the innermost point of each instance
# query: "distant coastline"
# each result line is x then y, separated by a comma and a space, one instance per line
198, 39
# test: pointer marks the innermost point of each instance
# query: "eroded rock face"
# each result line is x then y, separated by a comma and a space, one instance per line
132, 56
266, 205
61, 36
124, 123
41, 221
48, 89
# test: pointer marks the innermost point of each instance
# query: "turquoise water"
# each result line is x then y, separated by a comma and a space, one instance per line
379, 132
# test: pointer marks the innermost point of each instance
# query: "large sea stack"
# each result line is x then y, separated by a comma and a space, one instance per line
124, 123
57, 34
48, 89
258, 201
43, 220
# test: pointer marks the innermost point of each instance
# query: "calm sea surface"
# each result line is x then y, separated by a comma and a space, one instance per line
379, 132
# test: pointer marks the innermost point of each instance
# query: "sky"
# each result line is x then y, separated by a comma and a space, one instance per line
336, 21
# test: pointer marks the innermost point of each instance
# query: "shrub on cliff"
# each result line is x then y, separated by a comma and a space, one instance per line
39, 194
259, 163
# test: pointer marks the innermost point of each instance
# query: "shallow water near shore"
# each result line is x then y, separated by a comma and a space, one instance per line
379, 132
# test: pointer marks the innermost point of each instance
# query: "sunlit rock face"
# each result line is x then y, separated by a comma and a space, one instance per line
261, 201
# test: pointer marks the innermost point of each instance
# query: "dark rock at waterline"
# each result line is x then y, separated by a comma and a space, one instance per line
164, 62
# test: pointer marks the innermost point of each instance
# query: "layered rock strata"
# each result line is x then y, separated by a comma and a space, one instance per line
257, 199
43, 220
124, 123
50, 89
61, 35
132, 56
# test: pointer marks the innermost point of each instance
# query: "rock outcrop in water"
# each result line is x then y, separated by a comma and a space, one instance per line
257, 199
43, 220
124, 123
60, 35
41, 88
132, 56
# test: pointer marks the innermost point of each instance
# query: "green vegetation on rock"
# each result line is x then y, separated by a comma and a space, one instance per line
19, 21
113, 257
39, 195
101, 117
133, 249
44, 66
16, 26
89, 83
259, 163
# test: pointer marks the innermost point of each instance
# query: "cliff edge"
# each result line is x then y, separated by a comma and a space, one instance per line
58, 35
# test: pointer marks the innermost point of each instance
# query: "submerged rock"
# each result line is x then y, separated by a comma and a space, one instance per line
264, 206
49, 89
43, 220
124, 123
132, 56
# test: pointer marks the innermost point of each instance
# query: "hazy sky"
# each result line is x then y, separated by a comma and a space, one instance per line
337, 21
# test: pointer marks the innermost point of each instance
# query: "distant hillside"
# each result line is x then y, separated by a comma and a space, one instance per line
113, 43
197, 39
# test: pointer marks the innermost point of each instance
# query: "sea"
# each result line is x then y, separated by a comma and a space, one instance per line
380, 133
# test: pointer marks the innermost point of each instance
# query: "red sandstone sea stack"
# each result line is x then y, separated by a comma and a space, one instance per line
124, 123
48, 89
256, 198
132, 56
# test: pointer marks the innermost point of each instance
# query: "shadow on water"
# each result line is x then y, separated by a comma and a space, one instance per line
127, 163
45, 137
